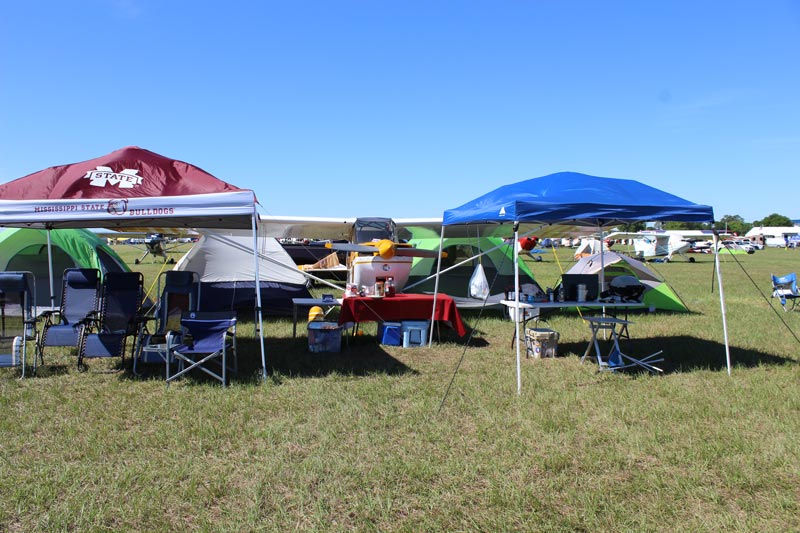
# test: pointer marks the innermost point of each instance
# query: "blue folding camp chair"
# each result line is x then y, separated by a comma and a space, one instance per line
207, 339
106, 331
80, 296
180, 294
17, 318
785, 288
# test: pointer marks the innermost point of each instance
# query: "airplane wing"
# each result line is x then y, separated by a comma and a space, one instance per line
320, 228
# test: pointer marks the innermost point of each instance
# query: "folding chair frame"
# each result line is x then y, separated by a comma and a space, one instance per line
207, 339
23, 285
159, 342
785, 288
66, 319
106, 331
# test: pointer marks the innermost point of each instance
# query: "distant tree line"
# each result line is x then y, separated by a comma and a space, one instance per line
729, 223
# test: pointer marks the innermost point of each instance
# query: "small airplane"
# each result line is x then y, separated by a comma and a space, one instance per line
655, 244
374, 249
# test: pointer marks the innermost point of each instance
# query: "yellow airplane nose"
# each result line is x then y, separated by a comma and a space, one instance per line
386, 248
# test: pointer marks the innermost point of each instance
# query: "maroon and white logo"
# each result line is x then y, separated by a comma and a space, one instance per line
103, 176
117, 207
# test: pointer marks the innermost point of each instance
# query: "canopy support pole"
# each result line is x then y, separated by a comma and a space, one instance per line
436, 288
50, 270
517, 317
722, 305
259, 321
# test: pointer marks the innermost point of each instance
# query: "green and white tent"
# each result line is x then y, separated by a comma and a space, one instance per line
657, 293
26, 249
497, 260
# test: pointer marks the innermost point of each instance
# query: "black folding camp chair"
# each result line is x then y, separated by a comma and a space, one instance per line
17, 318
106, 331
180, 294
208, 337
80, 296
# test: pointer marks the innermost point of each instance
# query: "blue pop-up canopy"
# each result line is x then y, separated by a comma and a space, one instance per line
578, 199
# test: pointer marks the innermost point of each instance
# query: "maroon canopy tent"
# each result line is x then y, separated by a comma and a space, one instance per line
130, 188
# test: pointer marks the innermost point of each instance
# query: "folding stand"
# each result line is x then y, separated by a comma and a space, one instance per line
615, 359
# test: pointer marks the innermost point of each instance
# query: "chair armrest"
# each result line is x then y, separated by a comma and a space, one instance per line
91, 318
47, 317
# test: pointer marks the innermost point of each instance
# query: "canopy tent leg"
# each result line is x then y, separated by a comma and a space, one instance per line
50, 270
722, 305
516, 305
259, 320
436, 288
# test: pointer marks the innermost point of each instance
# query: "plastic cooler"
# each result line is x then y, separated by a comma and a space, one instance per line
415, 333
390, 333
540, 342
324, 336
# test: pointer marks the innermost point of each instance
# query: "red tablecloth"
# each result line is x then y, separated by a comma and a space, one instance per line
401, 307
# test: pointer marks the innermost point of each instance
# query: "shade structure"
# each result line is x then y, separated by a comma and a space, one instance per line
129, 188
578, 199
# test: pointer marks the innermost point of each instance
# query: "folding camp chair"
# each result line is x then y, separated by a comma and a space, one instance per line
180, 294
785, 288
106, 331
17, 318
80, 296
207, 339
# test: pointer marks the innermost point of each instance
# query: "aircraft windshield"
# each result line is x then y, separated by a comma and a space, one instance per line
374, 229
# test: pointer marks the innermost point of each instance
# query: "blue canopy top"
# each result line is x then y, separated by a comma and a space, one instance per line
577, 199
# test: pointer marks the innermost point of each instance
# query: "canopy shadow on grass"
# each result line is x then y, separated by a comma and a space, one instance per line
683, 353
358, 357
290, 357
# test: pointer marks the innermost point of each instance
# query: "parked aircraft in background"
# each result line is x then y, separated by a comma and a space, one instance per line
664, 244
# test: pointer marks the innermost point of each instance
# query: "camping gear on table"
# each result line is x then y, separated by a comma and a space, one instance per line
627, 288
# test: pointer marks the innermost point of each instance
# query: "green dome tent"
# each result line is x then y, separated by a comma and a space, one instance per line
657, 294
497, 261
26, 249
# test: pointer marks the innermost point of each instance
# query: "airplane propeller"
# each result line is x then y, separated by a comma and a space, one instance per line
384, 248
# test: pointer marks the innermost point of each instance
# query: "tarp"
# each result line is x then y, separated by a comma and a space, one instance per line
223, 261
26, 249
657, 294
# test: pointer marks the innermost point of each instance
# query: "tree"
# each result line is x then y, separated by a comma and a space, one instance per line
774, 220
685, 225
732, 224
632, 227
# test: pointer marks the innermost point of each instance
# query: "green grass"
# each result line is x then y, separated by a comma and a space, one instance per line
357, 440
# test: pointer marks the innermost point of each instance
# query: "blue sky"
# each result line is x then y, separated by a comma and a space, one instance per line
407, 108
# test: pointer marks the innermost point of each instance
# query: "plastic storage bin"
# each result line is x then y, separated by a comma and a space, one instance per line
324, 337
390, 333
540, 342
415, 333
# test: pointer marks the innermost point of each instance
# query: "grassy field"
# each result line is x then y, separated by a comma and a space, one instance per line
362, 440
